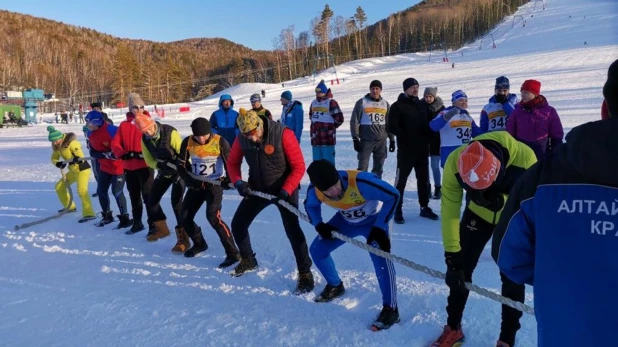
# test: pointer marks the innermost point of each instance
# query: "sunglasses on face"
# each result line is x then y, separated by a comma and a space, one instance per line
250, 133
137, 107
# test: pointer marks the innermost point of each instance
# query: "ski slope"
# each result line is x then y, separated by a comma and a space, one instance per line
67, 284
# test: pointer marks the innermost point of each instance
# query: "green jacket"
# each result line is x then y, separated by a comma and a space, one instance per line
518, 156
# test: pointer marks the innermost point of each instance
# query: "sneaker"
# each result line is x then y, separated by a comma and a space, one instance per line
305, 283
229, 261
502, 344
136, 227
450, 338
107, 218
330, 292
426, 212
86, 219
246, 265
399, 218
387, 317
438, 193
125, 221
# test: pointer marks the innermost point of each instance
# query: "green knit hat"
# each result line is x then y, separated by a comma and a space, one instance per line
54, 135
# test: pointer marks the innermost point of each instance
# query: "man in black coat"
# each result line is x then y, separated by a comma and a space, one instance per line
408, 121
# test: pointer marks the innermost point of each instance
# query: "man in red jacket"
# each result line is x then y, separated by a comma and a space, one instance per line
127, 145
110, 169
276, 166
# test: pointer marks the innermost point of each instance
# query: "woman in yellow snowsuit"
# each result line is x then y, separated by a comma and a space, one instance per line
66, 150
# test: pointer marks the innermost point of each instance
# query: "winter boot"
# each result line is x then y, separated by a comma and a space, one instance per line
450, 338
161, 231
107, 218
305, 283
136, 227
246, 265
182, 240
125, 221
86, 219
229, 261
426, 212
199, 245
69, 211
399, 217
330, 292
438, 193
386, 318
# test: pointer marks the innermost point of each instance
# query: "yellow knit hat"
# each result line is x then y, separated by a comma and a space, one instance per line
248, 120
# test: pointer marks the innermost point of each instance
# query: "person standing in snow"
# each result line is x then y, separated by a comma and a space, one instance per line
534, 122
455, 125
256, 105
127, 145
487, 169
111, 172
364, 205
495, 114
205, 155
369, 128
292, 114
549, 239
276, 166
408, 121
160, 147
223, 120
326, 117
66, 146
435, 105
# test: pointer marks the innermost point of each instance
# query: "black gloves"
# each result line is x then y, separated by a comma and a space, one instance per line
61, 164
391, 146
357, 145
283, 195
455, 277
325, 230
380, 237
132, 155
226, 184
108, 155
243, 188
75, 160
490, 199
162, 165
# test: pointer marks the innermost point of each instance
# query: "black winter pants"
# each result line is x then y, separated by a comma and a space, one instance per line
139, 185
160, 185
117, 183
421, 169
250, 207
475, 233
213, 195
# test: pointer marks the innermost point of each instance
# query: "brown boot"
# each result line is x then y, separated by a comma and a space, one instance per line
161, 231
183, 240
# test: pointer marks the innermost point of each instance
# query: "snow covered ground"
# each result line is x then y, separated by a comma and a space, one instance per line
66, 284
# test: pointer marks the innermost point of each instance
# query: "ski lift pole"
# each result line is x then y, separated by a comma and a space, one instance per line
62, 212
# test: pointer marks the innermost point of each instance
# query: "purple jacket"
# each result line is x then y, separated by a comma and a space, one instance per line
537, 126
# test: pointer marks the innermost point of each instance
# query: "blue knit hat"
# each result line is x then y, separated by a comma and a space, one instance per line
502, 83
255, 97
287, 95
95, 118
321, 87
458, 94
54, 135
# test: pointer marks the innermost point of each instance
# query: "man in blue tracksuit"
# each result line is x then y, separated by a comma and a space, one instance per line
365, 206
559, 233
223, 120
292, 114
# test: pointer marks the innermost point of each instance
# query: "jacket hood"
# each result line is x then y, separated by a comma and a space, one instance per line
592, 150
226, 97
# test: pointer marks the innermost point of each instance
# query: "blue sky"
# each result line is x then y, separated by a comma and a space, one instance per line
251, 23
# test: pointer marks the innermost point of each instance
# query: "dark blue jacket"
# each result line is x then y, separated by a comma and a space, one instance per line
223, 122
559, 233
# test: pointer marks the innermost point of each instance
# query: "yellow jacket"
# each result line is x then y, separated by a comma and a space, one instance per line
67, 150
520, 158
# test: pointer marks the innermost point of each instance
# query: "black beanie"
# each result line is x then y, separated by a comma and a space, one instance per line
610, 90
200, 126
409, 82
323, 174
375, 83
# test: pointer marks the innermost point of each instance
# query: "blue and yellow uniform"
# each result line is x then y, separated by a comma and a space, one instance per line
366, 202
